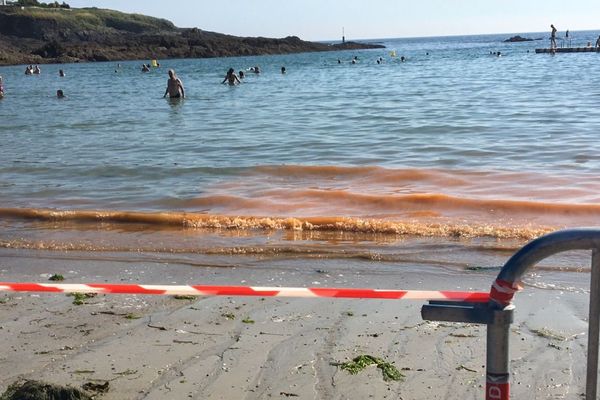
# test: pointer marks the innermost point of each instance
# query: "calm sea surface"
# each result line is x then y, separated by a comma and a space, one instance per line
455, 141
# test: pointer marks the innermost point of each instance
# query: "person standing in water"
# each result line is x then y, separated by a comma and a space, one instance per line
553, 37
231, 77
175, 88
1, 88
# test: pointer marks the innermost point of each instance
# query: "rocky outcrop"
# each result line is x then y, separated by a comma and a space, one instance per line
517, 39
35, 36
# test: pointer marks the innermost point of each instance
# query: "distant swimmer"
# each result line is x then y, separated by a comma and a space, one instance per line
339, 61
37, 70
61, 73
241, 74
256, 70
174, 86
29, 70
598, 42
60, 94
145, 68
231, 77
553, 37
402, 59
1, 88
283, 70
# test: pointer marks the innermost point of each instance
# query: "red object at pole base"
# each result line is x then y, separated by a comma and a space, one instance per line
497, 391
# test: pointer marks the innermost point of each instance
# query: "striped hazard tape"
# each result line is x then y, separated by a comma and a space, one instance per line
205, 290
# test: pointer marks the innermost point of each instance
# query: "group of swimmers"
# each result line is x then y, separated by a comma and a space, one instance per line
232, 79
33, 71
175, 89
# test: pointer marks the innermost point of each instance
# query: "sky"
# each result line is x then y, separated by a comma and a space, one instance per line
365, 19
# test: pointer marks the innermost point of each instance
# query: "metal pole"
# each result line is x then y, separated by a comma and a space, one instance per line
593, 328
497, 369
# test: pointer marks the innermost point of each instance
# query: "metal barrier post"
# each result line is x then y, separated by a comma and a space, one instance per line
498, 313
593, 328
497, 386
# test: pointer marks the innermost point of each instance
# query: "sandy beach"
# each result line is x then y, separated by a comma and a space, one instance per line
152, 347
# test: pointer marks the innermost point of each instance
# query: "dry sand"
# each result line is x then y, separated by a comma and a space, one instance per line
150, 347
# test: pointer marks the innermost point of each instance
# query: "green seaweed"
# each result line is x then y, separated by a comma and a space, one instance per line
548, 334
184, 297
229, 316
247, 320
56, 278
32, 390
79, 298
389, 371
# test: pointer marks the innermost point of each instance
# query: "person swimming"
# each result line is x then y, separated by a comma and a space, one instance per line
29, 70
231, 77
37, 70
241, 74
61, 73
175, 88
60, 94
145, 68
283, 70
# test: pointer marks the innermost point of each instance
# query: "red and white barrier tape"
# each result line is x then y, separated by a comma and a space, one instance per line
502, 292
203, 290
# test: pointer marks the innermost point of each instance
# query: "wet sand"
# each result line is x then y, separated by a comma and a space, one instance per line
150, 347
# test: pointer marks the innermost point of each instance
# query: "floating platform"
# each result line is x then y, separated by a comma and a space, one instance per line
570, 50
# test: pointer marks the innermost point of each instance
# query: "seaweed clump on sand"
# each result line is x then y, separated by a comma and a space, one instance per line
34, 390
390, 372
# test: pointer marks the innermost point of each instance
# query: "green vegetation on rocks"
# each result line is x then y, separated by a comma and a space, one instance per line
36, 35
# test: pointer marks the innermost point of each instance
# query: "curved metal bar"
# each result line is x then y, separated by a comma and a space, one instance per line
511, 273
546, 246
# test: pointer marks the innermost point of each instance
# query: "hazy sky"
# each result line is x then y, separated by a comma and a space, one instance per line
365, 19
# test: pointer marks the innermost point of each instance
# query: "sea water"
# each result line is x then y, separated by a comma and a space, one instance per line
331, 158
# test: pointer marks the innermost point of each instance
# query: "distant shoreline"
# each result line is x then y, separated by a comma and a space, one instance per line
46, 36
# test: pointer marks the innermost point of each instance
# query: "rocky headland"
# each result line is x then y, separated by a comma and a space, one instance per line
518, 38
32, 35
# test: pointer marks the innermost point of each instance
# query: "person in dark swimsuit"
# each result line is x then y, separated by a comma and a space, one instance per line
231, 77
175, 88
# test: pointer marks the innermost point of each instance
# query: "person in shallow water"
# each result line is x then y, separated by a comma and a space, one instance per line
231, 77
175, 88
1, 88
60, 94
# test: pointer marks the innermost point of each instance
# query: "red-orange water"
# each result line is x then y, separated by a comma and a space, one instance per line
422, 202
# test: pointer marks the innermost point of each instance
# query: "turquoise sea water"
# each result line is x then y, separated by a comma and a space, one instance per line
454, 135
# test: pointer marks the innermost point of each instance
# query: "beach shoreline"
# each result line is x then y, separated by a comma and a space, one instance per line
150, 347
